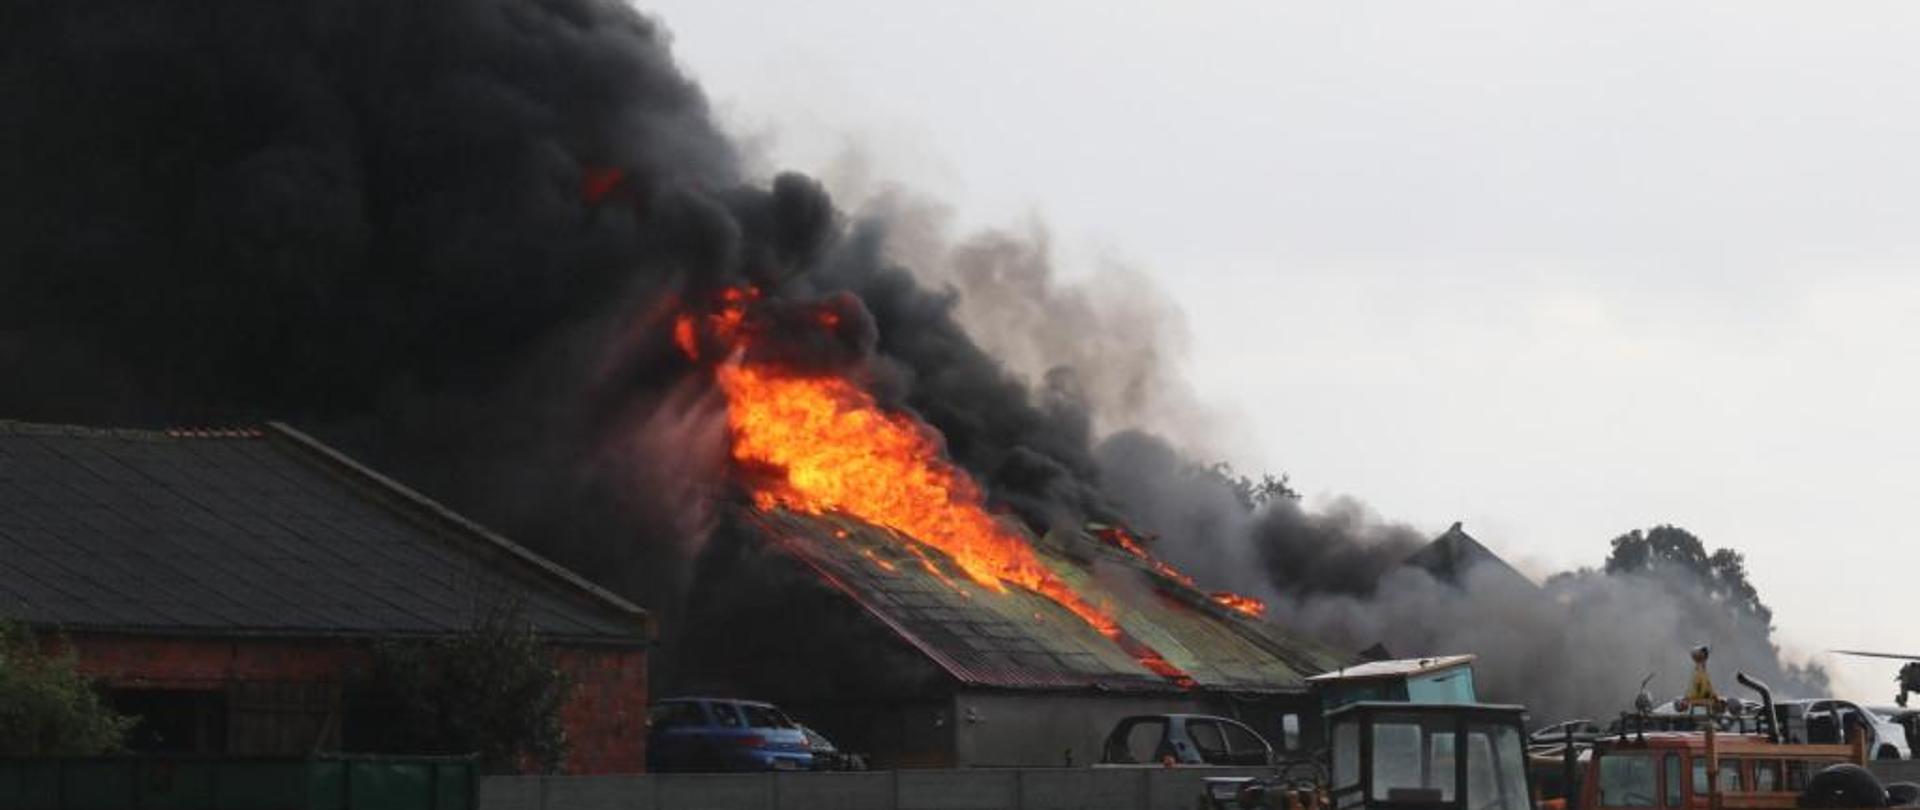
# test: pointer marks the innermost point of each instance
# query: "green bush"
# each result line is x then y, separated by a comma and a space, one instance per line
46, 707
493, 690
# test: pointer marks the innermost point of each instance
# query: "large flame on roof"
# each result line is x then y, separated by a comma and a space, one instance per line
823, 444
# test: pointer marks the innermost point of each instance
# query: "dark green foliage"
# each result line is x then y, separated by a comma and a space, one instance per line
46, 707
494, 690
1722, 574
1250, 493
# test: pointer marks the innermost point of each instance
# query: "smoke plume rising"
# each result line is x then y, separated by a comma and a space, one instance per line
378, 219
1575, 646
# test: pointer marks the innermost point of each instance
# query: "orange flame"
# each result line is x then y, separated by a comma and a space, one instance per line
825, 445
1244, 604
1125, 541
841, 452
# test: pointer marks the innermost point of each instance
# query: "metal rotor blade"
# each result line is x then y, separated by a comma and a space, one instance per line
1865, 654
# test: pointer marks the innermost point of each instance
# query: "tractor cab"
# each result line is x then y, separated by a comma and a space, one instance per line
1403, 756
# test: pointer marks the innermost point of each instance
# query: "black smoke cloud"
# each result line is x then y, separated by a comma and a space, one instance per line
367, 217
1341, 548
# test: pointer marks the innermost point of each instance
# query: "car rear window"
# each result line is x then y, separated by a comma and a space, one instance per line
764, 717
677, 715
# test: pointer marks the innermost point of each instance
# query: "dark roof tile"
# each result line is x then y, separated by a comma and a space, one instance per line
258, 533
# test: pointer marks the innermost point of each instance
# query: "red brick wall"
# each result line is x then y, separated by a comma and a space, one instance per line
605, 718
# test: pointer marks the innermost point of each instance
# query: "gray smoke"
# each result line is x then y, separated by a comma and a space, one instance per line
1576, 647
1106, 336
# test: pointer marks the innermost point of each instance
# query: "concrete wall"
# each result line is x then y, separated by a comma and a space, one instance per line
1008, 789
1898, 770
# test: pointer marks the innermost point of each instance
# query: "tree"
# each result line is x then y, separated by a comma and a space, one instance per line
1250, 493
1722, 573
47, 708
493, 690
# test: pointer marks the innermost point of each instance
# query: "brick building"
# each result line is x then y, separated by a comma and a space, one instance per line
225, 586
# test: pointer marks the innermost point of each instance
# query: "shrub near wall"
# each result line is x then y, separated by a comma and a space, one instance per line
47, 708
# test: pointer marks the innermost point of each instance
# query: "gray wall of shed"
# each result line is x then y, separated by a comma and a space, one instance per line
1043, 729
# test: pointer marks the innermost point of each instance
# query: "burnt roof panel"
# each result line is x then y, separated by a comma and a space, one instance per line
1020, 639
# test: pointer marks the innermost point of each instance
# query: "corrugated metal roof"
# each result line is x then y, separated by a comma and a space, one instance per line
256, 532
1020, 639
1394, 669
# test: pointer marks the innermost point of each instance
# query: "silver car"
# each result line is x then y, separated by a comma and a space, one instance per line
1825, 720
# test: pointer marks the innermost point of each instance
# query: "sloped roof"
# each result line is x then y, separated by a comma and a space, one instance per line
1399, 668
1020, 639
257, 532
1451, 555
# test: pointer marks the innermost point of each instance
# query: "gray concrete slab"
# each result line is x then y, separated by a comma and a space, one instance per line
510, 793
957, 790
1896, 770
700, 791
598, 793
1082, 789
842, 791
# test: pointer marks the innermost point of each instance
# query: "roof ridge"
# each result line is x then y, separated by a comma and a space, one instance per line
26, 428
421, 506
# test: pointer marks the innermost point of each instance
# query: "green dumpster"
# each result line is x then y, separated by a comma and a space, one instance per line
239, 783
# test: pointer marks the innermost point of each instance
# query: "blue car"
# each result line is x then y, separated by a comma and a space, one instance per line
722, 734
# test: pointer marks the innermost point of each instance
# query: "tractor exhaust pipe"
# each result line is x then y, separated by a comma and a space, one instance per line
1768, 716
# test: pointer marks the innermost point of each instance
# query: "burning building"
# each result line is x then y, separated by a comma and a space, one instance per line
224, 587
888, 645
866, 581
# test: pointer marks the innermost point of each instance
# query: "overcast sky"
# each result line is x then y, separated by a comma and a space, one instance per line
1556, 270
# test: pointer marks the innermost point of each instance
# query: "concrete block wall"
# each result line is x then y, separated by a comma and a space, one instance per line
984, 789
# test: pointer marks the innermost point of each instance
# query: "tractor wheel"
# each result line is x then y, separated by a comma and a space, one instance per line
1903, 794
1843, 786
